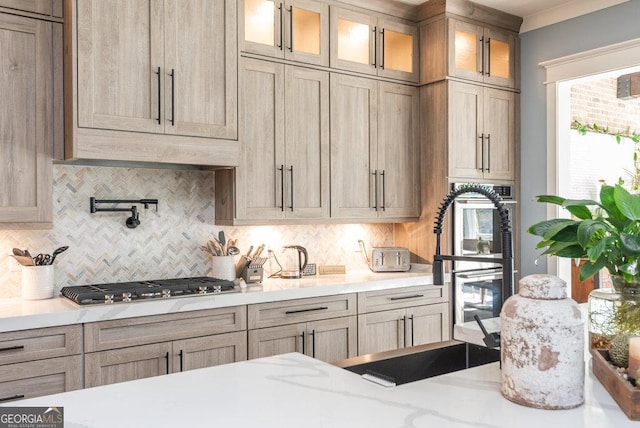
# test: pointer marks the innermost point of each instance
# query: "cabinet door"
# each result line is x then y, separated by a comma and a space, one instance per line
42, 7
354, 140
208, 351
26, 114
261, 27
353, 35
120, 365
42, 377
266, 342
466, 48
466, 138
306, 31
201, 68
398, 150
260, 179
381, 331
499, 131
333, 339
120, 51
398, 51
427, 324
307, 143
500, 57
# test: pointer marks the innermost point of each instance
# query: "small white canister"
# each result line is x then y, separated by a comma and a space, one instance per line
542, 344
37, 282
223, 267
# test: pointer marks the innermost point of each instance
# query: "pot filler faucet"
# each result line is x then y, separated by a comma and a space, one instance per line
507, 245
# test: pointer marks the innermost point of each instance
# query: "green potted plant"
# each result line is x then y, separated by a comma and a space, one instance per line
607, 234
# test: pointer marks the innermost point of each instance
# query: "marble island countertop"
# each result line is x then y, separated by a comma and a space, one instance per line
293, 390
18, 314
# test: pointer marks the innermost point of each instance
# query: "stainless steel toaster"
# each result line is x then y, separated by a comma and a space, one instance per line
389, 259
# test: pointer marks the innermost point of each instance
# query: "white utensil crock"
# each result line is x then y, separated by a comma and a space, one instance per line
37, 282
223, 267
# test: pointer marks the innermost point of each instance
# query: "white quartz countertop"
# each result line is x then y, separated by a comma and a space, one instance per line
293, 390
18, 314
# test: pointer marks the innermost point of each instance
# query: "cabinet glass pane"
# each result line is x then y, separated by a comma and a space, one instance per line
398, 51
499, 58
353, 41
259, 21
306, 31
466, 51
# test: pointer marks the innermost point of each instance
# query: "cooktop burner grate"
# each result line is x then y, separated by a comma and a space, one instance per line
144, 290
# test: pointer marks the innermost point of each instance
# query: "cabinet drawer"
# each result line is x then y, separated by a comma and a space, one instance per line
41, 343
37, 378
105, 335
301, 310
382, 300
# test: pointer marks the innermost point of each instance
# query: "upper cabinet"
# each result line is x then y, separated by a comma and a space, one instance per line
481, 54
48, 8
162, 67
28, 50
364, 43
297, 30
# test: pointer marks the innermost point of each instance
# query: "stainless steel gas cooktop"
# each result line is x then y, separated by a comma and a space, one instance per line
146, 290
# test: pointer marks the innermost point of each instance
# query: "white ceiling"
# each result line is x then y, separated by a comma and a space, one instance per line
539, 13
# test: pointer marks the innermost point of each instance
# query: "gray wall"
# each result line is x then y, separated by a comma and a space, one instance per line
613, 25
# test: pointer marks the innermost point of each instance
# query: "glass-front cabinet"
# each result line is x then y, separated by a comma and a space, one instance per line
367, 44
297, 30
482, 54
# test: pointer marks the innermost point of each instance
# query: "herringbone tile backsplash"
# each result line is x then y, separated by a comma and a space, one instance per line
167, 242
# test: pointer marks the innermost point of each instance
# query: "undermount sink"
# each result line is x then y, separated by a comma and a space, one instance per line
420, 362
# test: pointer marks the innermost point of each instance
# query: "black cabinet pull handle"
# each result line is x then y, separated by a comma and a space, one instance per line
14, 397
481, 153
173, 97
382, 49
384, 197
281, 169
159, 96
481, 71
290, 28
181, 354
167, 358
413, 296
488, 151
375, 46
411, 318
291, 189
313, 343
281, 26
375, 190
12, 348
320, 308
488, 57
303, 347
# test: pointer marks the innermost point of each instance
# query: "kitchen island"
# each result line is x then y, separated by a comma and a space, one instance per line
293, 390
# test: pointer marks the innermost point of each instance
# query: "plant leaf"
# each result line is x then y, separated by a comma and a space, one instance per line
628, 204
587, 229
539, 229
578, 208
559, 248
595, 252
551, 199
567, 232
609, 204
572, 252
589, 269
630, 243
631, 268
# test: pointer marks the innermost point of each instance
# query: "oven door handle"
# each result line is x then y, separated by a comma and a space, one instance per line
486, 202
480, 275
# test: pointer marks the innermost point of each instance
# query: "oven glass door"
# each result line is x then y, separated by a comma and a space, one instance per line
477, 293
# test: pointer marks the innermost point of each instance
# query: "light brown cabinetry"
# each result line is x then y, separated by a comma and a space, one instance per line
482, 138
28, 50
374, 149
321, 327
284, 171
297, 30
393, 319
368, 44
52, 8
161, 67
128, 349
40, 362
471, 50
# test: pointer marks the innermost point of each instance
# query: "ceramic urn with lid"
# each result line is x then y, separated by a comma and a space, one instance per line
542, 344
